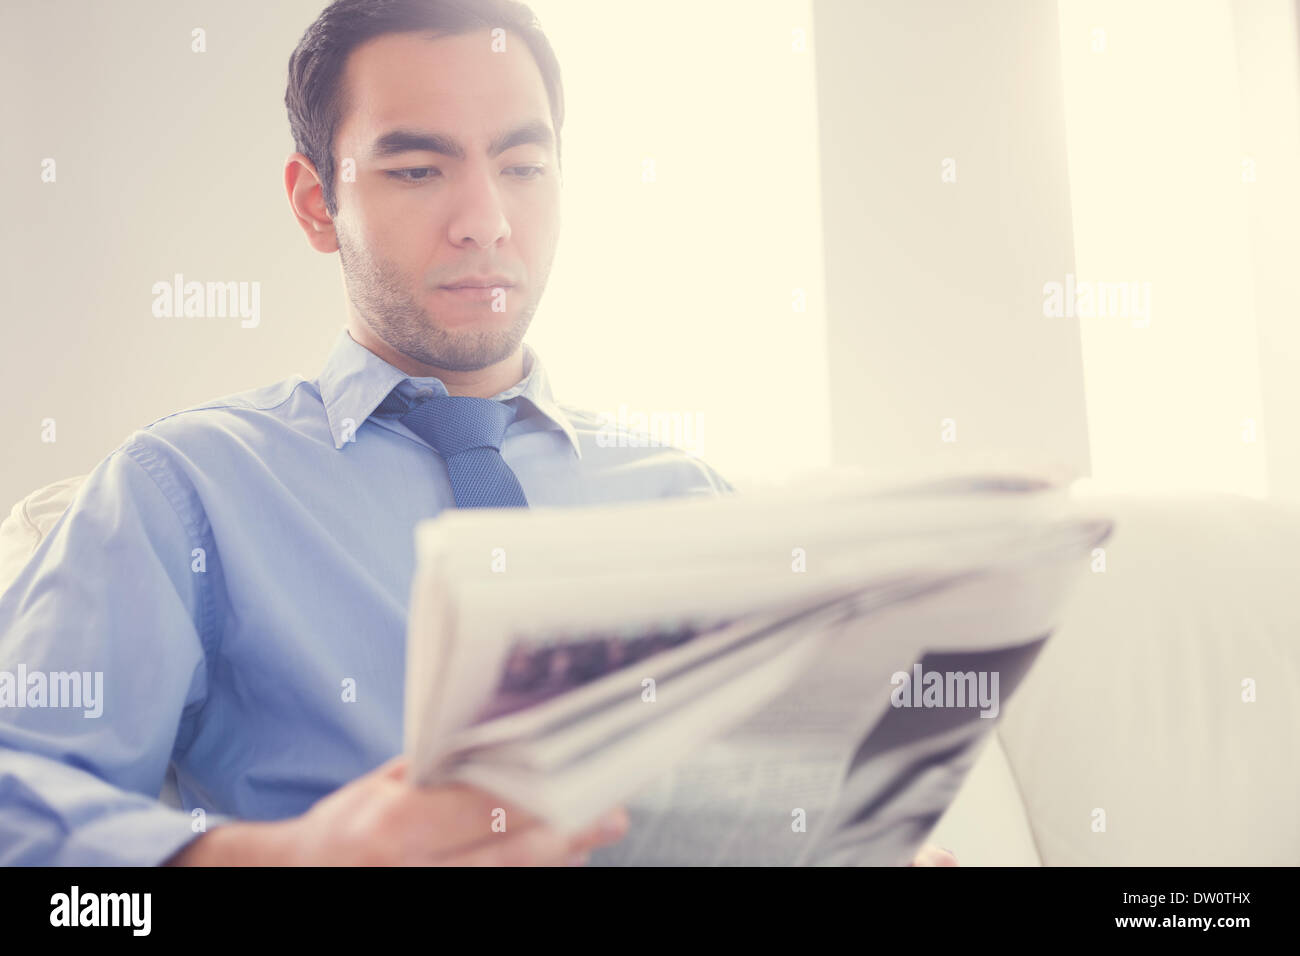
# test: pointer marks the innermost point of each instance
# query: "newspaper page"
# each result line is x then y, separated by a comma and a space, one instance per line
834, 771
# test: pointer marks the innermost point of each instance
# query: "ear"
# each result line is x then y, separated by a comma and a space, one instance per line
306, 199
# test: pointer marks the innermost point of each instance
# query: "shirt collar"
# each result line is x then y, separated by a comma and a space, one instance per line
355, 381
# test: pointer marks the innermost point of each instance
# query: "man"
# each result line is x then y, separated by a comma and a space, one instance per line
238, 572
230, 567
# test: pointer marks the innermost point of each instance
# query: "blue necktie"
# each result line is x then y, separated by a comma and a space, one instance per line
467, 433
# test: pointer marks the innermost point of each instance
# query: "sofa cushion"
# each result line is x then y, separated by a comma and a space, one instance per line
1139, 707
29, 521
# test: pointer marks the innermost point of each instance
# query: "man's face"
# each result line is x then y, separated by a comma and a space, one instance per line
416, 219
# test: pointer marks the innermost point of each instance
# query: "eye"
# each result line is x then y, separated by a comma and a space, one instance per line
409, 175
539, 170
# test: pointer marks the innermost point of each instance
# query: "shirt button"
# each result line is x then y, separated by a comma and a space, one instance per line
423, 394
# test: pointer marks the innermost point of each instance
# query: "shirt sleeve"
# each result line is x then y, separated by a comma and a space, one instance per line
102, 660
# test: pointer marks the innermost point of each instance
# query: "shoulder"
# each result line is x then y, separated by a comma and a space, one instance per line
266, 402
287, 403
212, 435
164, 460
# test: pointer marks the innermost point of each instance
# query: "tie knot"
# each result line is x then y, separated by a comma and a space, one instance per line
453, 423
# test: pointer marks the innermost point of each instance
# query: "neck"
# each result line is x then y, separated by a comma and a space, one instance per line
474, 383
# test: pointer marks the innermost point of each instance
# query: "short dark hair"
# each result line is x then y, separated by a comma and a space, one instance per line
316, 66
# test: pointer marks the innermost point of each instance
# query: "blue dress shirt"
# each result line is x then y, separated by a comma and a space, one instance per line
239, 574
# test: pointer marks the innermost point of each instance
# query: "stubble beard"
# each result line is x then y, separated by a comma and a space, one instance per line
382, 299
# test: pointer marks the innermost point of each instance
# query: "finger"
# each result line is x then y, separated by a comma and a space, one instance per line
394, 769
611, 828
608, 829
532, 846
930, 855
456, 817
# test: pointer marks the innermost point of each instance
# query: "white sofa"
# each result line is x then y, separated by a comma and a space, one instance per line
1135, 708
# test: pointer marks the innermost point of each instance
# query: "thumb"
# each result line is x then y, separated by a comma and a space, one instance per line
394, 769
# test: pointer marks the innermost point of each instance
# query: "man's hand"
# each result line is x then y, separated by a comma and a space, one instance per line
381, 819
931, 855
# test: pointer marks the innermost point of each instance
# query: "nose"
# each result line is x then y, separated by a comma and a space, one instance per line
478, 215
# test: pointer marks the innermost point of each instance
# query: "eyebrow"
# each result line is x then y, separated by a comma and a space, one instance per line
425, 141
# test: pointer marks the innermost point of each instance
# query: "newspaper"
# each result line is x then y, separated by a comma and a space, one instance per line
745, 709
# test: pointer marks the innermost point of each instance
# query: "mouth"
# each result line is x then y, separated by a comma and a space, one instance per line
474, 293
483, 280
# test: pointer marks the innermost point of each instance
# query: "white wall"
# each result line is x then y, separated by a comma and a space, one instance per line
1268, 64
167, 161
697, 290
1156, 151
934, 288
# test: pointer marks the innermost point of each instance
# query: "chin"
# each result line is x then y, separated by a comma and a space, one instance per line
468, 348
451, 321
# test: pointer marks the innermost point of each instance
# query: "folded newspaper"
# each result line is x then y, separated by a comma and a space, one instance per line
779, 678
